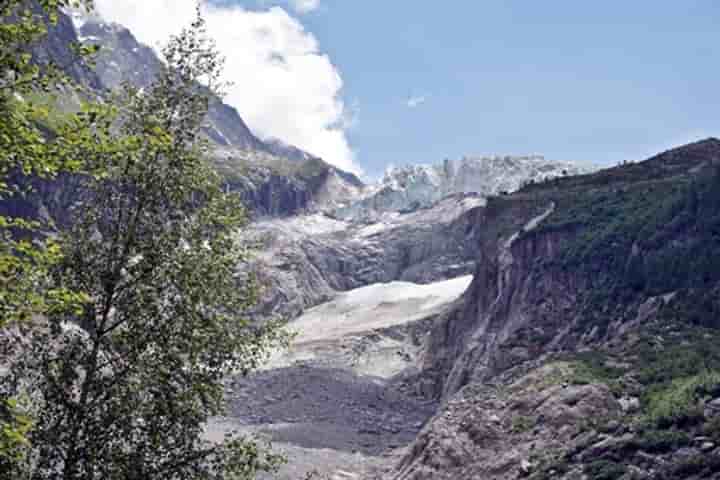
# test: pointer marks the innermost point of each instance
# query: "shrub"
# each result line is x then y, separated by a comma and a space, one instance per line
521, 424
592, 367
701, 465
661, 441
680, 403
711, 429
605, 470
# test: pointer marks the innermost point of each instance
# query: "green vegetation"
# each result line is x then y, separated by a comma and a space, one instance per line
678, 366
627, 235
135, 316
605, 470
634, 240
521, 424
673, 367
675, 350
548, 465
25, 287
661, 441
51, 115
13, 435
594, 367
26, 148
680, 402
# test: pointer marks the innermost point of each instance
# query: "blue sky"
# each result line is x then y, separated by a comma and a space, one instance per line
587, 81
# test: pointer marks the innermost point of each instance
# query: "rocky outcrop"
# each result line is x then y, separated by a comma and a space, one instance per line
467, 343
579, 415
511, 429
529, 280
273, 180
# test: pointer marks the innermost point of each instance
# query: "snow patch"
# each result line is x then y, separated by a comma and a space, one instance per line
376, 306
373, 229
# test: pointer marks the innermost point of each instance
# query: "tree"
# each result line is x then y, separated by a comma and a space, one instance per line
25, 148
123, 388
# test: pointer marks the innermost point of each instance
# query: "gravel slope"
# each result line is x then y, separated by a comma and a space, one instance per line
332, 403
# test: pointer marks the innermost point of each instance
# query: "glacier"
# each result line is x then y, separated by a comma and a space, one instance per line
411, 187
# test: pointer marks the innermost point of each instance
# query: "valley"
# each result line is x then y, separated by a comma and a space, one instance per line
491, 317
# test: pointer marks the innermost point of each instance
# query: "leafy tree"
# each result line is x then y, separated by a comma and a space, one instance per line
25, 148
123, 388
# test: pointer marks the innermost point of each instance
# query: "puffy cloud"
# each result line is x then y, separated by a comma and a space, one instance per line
282, 84
416, 101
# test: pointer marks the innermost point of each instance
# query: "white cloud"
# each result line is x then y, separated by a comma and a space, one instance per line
305, 6
416, 101
282, 84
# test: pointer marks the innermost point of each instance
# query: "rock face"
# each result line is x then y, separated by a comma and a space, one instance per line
56, 47
276, 187
536, 263
304, 260
416, 186
123, 59
508, 430
599, 263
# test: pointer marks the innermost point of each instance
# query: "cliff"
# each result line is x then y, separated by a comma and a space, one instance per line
583, 271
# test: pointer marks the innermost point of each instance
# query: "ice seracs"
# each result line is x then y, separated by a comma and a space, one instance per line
418, 186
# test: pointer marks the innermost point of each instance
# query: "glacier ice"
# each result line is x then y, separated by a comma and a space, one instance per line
418, 186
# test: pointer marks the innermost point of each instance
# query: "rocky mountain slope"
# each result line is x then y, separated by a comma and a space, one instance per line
424, 232
273, 178
305, 260
585, 346
122, 59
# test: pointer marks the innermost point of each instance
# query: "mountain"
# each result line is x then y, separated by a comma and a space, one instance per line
586, 344
273, 178
418, 186
57, 47
123, 59
282, 149
484, 318
416, 224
